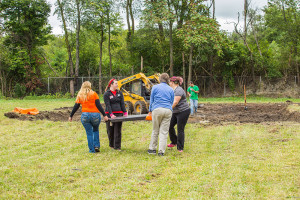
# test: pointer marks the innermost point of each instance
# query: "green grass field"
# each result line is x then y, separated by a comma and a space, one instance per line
50, 160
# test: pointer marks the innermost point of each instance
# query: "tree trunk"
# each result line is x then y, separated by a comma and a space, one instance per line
297, 68
70, 62
131, 16
2, 82
283, 11
110, 67
211, 64
142, 64
128, 21
100, 56
49, 65
161, 32
190, 63
214, 8
77, 39
182, 14
245, 18
171, 49
256, 40
183, 72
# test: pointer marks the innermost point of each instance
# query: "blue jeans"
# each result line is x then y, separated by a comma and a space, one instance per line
91, 122
194, 106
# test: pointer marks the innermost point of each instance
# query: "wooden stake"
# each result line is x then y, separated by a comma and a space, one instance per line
245, 97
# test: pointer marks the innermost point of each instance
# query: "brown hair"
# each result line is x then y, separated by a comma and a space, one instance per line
164, 77
111, 81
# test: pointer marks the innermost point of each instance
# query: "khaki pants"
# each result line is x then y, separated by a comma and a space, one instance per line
161, 122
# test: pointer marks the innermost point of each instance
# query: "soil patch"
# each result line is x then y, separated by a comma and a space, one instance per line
60, 114
207, 114
256, 113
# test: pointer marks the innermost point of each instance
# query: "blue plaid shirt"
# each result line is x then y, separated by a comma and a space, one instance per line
162, 96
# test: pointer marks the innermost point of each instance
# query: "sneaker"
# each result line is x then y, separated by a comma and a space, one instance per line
97, 149
171, 145
118, 149
161, 154
180, 151
151, 151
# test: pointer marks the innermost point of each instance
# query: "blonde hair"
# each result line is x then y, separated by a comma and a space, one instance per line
85, 91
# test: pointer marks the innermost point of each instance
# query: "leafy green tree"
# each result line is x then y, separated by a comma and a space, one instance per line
282, 18
25, 23
200, 30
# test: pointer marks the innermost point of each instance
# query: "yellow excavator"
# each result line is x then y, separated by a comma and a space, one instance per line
136, 90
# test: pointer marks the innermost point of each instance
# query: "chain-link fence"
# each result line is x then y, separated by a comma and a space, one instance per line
209, 86
52, 85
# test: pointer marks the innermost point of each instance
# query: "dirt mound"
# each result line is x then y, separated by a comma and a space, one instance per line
62, 114
208, 113
256, 113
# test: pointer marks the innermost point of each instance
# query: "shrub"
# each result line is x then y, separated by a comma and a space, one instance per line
19, 91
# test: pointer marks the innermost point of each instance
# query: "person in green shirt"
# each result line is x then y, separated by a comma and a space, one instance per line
193, 92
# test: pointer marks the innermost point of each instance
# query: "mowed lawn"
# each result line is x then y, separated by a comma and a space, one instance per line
50, 160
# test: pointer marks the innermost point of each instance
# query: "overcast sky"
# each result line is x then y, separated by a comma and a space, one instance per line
226, 12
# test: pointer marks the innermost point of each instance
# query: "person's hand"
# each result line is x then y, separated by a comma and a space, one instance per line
192, 89
149, 116
125, 114
190, 94
70, 119
112, 116
105, 118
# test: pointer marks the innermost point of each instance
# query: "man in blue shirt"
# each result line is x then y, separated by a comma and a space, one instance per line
161, 101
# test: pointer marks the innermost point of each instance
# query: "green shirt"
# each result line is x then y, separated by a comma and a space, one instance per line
194, 95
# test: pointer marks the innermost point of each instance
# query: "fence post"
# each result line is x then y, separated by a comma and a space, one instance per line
259, 79
81, 79
224, 88
48, 85
295, 80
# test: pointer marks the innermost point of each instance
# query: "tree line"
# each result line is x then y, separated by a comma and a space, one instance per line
180, 37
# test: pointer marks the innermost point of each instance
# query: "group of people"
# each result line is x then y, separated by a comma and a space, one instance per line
168, 107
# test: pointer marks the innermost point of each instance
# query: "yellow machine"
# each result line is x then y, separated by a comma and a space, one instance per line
154, 78
136, 90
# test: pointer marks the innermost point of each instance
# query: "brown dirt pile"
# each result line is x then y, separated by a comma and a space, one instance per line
209, 113
256, 113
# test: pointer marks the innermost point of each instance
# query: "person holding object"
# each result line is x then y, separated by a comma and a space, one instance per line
114, 107
181, 113
193, 92
90, 117
161, 101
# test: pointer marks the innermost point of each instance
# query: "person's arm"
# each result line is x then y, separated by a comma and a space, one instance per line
99, 107
197, 90
152, 99
176, 101
75, 108
188, 92
123, 105
107, 104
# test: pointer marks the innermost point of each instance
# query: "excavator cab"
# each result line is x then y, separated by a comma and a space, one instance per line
136, 90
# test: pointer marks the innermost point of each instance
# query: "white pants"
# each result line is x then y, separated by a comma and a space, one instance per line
161, 118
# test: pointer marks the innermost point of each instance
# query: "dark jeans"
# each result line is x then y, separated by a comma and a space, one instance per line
91, 122
180, 119
114, 133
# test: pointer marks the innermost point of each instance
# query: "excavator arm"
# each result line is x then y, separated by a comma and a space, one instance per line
140, 76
